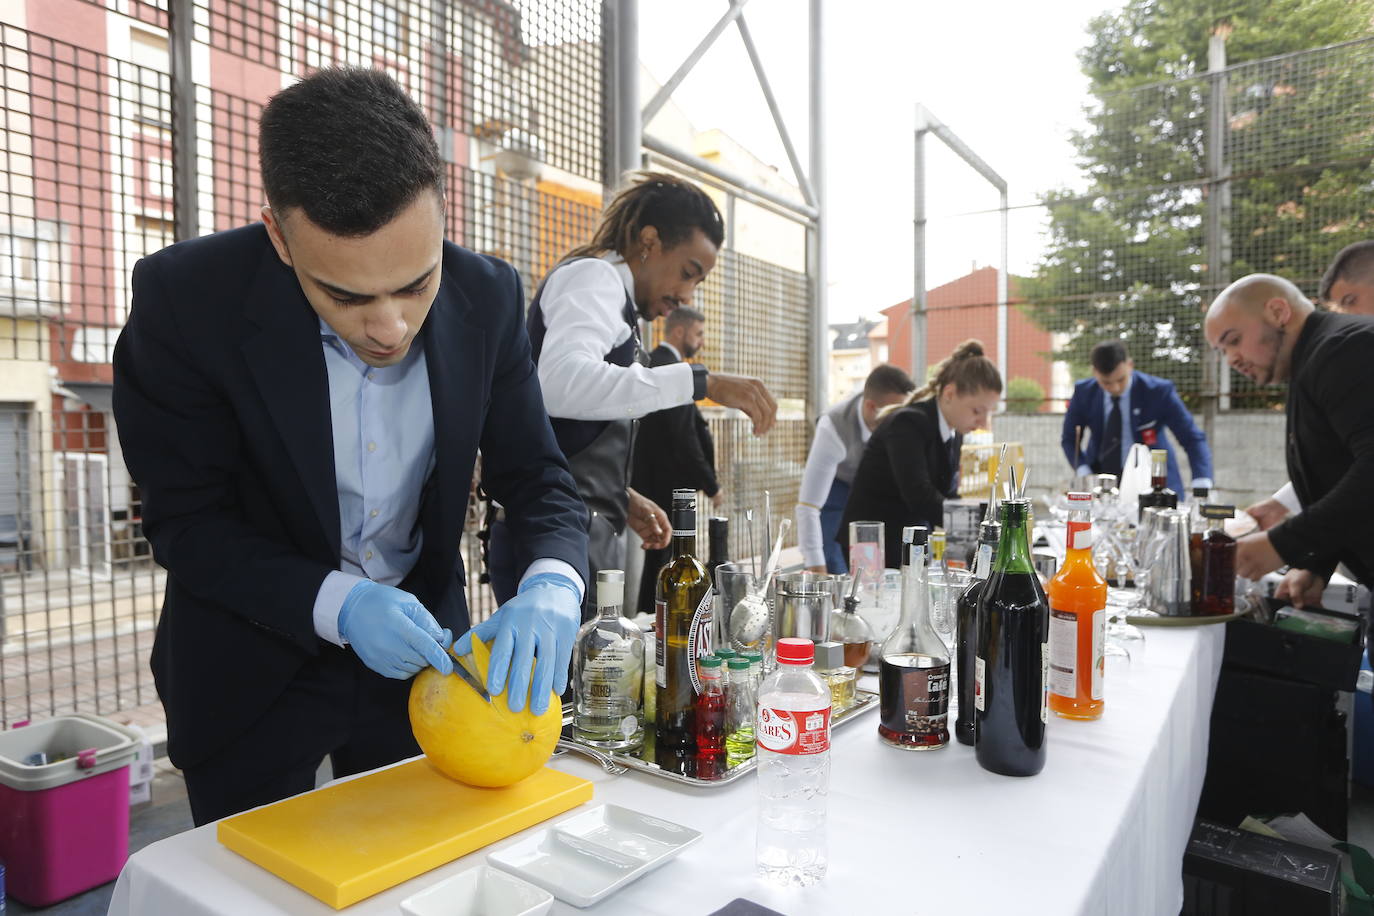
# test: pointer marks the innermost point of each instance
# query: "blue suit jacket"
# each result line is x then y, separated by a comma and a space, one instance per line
222, 403
1155, 406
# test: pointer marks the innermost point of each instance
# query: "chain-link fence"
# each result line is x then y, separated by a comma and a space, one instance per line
97, 171
1266, 165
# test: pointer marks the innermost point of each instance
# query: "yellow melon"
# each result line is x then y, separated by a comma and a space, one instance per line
476, 742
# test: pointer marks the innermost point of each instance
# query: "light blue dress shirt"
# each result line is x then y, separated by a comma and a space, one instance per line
383, 421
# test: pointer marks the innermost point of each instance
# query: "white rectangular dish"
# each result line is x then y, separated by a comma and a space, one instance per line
480, 891
585, 858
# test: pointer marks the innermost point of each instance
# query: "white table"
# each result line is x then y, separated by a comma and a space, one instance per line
1101, 831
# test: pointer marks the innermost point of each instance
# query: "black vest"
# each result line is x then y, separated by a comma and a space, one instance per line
575, 435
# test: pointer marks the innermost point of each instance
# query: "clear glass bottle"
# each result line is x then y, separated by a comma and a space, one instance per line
710, 712
839, 677
913, 674
608, 672
740, 701
755, 658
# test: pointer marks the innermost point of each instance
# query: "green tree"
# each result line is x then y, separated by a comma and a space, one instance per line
1127, 258
1024, 395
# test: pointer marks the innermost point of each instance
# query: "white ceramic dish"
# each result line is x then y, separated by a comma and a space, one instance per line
589, 856
480, 891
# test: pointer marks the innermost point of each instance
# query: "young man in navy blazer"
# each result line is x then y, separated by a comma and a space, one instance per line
1119, 407
301, 402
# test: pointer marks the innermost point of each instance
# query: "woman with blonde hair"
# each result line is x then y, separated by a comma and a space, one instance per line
911, 463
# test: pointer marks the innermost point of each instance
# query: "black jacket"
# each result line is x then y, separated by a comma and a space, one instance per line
904, 477
222, 403
673, 448
1330, 447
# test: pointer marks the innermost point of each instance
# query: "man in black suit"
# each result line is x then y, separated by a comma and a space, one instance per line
1269, 332
673, 448
301, 402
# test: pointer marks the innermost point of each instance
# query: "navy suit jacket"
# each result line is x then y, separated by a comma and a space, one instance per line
1155, 406
221, 398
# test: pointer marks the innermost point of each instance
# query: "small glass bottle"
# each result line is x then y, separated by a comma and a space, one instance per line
755, 659
710, 711
1159, 494
725, 655
851, 631
1217, 581
608, 672
839, 677
913, 674
739, 713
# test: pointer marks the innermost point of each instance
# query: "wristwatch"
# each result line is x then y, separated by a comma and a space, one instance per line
699, 374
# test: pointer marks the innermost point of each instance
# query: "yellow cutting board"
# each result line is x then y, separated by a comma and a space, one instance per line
358, 838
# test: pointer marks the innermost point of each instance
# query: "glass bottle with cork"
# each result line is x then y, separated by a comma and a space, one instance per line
608, 672
1215, 578
683, 624
1011, 694
1078, 621
913, 674
1159, 494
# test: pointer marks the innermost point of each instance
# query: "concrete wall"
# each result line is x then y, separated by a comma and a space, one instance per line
1247, 453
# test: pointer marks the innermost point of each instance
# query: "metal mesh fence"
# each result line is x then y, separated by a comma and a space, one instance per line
1191, 183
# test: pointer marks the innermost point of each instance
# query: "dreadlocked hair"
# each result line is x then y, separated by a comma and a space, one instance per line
673, 206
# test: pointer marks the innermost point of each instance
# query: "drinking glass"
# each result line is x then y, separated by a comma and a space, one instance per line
732, 585
881, 610
866, 552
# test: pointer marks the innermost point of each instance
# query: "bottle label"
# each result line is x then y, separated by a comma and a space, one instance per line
614, 673
979, 666
699, 643
1045, 682
1064, 653
915, 701
661, 643
1080, 535
1099, 649
793, 731
982, 563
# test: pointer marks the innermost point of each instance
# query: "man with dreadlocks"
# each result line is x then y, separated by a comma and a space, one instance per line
657, 241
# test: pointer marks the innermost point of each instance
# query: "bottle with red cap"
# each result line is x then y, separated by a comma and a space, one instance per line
792, 735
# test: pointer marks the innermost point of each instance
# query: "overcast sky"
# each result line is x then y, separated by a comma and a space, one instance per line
1003, 75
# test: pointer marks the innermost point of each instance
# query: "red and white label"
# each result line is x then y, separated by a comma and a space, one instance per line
1080, 535
793, 731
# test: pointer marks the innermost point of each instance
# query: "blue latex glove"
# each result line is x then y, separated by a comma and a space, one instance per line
392, 632
538, 625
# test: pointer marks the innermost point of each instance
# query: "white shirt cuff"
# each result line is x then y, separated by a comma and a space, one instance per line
1084, 471
550, 565
1288, 497
1202, 482
329, 601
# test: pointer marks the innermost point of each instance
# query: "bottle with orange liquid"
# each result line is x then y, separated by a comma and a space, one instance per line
1078, 619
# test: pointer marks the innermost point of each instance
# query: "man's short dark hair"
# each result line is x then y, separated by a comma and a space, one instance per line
1354, 264
349, 148
887, 379
1108, 355
682, 316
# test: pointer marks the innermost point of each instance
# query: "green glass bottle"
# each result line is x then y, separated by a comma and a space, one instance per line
683, 622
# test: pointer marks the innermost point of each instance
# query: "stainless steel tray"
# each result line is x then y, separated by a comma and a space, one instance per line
617, 763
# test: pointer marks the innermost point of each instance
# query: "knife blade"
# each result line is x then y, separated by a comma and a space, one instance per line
460, 668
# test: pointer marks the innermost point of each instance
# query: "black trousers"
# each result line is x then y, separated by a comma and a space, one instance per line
337, 707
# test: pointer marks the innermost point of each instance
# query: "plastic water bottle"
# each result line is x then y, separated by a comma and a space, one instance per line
793, 746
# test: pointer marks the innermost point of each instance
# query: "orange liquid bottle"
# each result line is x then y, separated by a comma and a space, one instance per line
1078, 622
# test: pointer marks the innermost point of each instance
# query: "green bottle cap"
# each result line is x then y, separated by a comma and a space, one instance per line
726, 654
708, 661
752, 655
739, 664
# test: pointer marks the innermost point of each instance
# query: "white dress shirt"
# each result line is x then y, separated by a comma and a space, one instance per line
583, 304
827, 451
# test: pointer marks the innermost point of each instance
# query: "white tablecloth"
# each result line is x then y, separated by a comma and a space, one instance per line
1101, 831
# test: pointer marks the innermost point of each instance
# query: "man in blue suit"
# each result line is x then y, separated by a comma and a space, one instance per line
301, 402
1119, 407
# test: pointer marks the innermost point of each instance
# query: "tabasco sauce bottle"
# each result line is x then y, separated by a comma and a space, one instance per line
1078, 621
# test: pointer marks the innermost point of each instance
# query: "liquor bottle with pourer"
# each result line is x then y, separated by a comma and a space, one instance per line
1159, 494
989, 532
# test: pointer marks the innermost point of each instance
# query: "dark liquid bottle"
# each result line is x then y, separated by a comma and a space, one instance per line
913, 676
1160, 495
989, 532
1216, 574
1011, 702
683, 625
718, 530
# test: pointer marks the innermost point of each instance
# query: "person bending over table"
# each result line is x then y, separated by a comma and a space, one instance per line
1348, 287
911, 463
1270, 333
836, 449
301, 402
